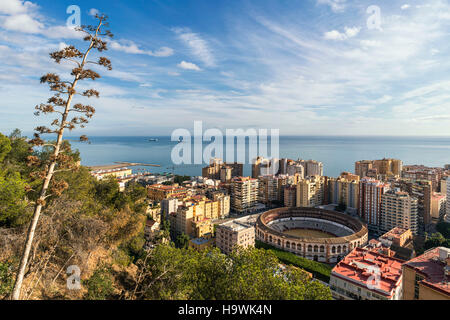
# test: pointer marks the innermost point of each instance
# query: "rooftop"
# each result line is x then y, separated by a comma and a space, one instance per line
360, 265
432, 268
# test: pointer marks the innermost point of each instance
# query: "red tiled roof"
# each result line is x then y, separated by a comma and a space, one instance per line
355, 267
429, 266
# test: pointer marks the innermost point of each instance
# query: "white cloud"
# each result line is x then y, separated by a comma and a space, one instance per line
14, 7
199, 47
173, 73
335, 5
363, 108
188, 66
384, 99
93, 12
130, 47
336, 35
22, 23
405, 6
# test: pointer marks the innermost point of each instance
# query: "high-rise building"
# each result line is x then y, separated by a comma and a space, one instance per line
295, 168
362, 168
447, 211
379, 168
438, 203
310, 191
398, 209
268, 189
226, 174
244, 194
218, 170
169, 206
290, 195
421, 172
344, 190
422, 190
313, 168
369, 207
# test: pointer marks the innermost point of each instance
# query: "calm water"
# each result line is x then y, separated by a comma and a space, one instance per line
337, 153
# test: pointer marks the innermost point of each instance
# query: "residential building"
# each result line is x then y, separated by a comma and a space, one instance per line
379, 169
268, 189
366, 274
244, 194
369, 201
169, 206
427, 276
344, 190
313, 168
158, 192
422, 190
290, 196
421, 172
447, 211
310, 191
438, 203
214, 170
226, 174
233, 234
362, 168
202, 243
400, 243
151, 230
295, 168
398, 209
116, 173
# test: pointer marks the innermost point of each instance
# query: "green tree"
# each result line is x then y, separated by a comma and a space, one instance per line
246, 274
100, 284
6, 279
13, 206
436, 240
183, 241
5, 146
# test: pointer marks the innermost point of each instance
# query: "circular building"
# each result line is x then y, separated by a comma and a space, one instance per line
316, 234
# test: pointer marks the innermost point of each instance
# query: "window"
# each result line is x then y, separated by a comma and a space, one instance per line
417, 279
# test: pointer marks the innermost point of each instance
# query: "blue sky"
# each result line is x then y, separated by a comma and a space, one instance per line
307, 67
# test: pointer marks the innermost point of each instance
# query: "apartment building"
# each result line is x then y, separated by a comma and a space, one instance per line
233, 234
379, 169
427, 277
344, 190
369, 206
398, 209
218, 170
244, 194
159, 192
366, 274
310, 192
447, 211
438, 206
290, 196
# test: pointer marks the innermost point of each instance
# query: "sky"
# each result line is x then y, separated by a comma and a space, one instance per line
305, 67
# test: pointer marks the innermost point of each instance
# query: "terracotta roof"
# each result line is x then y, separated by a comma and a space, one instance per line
429, 266
356, 268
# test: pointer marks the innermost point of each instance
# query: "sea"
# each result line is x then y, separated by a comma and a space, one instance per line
337, 154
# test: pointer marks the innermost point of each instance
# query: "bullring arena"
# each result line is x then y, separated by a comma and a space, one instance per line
316, 234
